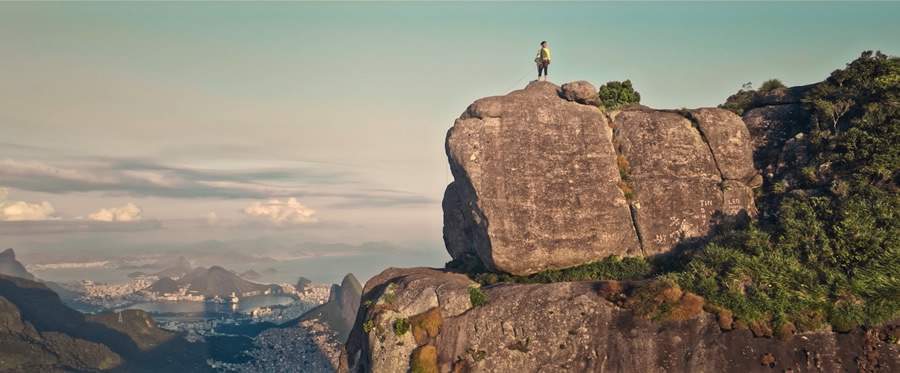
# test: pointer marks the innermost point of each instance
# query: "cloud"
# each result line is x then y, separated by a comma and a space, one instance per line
281, 213
31, 228
128, 213
24, 211
146, 178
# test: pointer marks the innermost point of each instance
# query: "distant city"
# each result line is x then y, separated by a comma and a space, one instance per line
213, 306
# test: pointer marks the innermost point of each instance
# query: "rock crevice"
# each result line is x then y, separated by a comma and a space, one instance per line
712, 153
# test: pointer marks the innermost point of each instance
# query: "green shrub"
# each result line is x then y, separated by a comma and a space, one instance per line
401, 326
745, 98
615, 94
770, 85
477, 297
368, 326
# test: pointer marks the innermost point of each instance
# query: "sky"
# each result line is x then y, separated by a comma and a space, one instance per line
302, 131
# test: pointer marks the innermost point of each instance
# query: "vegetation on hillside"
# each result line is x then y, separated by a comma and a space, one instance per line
830, 252
746, 97
826, 249
615, 94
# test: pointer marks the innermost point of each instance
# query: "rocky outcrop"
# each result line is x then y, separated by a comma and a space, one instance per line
574, 327
339, 312
534, 184
543, 179
773, 119
11, 267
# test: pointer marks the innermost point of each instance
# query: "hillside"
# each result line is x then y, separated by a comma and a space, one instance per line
759, 235
40, 333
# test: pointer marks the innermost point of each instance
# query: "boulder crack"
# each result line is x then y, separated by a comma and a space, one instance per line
632, 208
634, 223
696, 126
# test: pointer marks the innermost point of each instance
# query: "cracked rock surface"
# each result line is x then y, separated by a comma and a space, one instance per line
545, 180
572, 327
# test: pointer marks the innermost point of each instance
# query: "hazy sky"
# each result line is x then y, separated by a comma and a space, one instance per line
172, 124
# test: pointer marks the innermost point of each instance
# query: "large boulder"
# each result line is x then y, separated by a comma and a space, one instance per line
544, 181
534, 184
574, 327
581, 92
677, 165
729, 142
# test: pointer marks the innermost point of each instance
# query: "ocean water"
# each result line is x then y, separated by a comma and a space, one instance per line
212, 309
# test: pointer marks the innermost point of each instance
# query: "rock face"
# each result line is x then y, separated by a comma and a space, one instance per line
775, 118
684, 169
534, 184
571, 327
339, 312
544, 180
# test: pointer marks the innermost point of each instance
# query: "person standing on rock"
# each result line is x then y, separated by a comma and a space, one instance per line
543, 60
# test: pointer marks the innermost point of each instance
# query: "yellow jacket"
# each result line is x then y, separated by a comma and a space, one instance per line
544, 54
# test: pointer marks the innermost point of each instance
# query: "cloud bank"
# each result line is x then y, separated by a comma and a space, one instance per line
24, 211
128, 213
143, 178
281, 213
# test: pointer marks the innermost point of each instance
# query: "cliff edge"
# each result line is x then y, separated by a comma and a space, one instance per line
758, 236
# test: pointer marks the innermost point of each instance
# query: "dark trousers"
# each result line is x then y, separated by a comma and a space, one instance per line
542, 68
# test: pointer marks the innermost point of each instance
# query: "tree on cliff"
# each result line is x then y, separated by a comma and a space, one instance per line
615, 94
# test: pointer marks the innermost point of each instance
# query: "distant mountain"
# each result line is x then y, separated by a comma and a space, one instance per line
302, 283
251, 275
39, 333
164, 285
11, 267
339, 312
178, 269
211, 282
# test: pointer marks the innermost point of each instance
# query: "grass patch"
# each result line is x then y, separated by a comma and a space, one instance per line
426, 325
610, 268
424, 360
